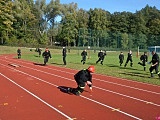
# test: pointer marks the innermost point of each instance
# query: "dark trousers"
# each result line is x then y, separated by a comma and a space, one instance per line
19, 55
83, 59
154, 68
100, 59
131, 62
143, 64
120, 61
45, 60
64, 60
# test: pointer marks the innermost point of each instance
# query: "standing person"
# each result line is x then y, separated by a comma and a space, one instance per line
129, 58
144, 59
82, 78
121, 58
64, 54
39, 51
46, 55
155, 64
84, 55
19, 53
101, 56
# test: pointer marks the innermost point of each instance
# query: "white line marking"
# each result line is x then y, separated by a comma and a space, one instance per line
109, 82
83, 96
93, 86
36, 97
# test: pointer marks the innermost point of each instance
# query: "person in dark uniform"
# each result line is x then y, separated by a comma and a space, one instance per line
129, 58
82, 78
155, 64
144, 59
101, 56
46, 55
64, 54
39, 51
121, 58
19, 53
84, 55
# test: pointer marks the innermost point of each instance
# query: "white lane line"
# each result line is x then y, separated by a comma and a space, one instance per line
80, 95
152, 103
110, 82
26, 62
36, 97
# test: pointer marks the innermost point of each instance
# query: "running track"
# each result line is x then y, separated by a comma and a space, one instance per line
36, 92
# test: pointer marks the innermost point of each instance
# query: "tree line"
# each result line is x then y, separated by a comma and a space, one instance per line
33, 23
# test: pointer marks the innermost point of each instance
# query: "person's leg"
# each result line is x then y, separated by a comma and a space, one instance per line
131, 64
151, 71
126, 62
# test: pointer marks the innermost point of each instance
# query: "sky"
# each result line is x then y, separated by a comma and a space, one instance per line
114, 5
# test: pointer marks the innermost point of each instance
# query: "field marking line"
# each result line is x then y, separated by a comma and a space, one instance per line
152, 103
81, 96
109, 82
26, 62
37, 97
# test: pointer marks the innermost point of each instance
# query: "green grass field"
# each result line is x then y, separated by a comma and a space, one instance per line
110, 67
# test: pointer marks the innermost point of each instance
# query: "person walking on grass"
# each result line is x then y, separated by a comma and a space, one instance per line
129, 58
46, 55
84, 55
19, 53
144, 59
155, 64
82, 78
121, 58
64, 54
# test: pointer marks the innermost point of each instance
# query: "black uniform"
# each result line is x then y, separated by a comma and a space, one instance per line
155, 64
64, 54
19, 53
101, 56
84, 55
121, 58
81, 78
39, 51
129, 58
144, 59
46, 54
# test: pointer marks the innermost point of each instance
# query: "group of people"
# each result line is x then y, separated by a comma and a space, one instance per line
101, 56
84, 77
144, 59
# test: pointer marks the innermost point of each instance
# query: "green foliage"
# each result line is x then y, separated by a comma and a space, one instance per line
36, 20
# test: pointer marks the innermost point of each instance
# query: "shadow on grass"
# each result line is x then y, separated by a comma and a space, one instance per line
138, 74
57, 64
122, 67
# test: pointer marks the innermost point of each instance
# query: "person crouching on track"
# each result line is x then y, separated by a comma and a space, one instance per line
46, 55
82, 78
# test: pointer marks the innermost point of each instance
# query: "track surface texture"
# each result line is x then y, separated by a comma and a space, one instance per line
30, 91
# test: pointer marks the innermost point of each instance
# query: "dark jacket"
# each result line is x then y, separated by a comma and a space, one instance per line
129, 56
121, 57
144, 58
46, 54
64, 52
155, 58
84, 54
82, 77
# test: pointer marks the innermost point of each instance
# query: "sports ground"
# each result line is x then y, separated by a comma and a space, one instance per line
30, 91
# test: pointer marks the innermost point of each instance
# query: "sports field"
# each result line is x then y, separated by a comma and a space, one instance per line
30, 91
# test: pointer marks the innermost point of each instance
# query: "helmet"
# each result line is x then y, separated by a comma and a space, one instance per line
91, 68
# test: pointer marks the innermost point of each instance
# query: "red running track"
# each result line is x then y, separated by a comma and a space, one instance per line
36, 92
